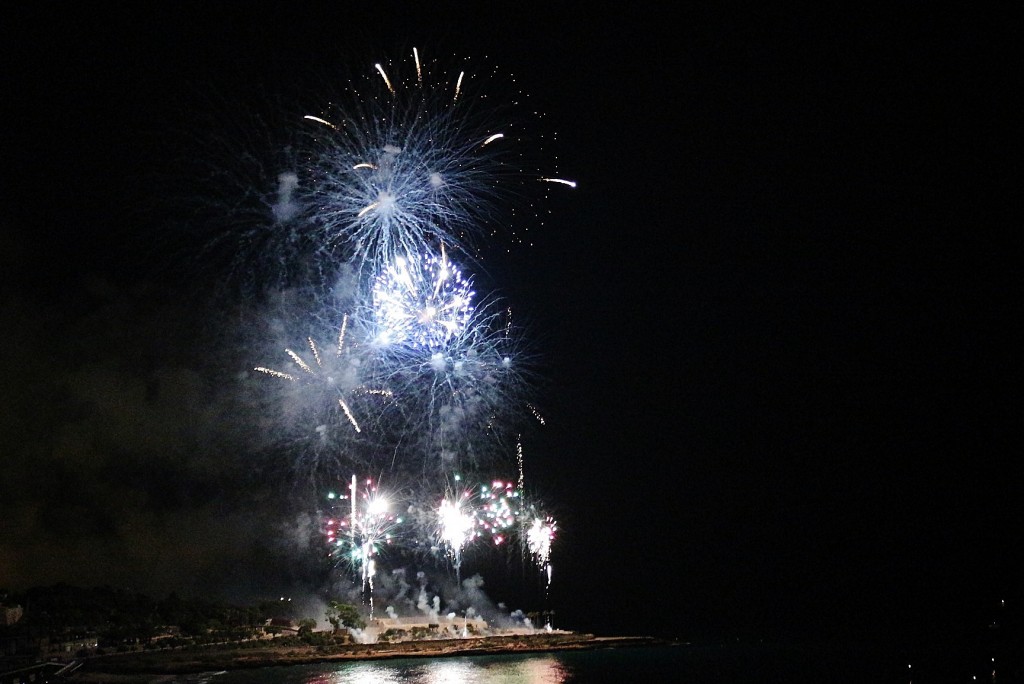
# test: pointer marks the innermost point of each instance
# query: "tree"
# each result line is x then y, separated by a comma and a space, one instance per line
344, 615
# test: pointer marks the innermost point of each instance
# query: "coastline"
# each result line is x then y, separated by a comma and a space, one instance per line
156, 667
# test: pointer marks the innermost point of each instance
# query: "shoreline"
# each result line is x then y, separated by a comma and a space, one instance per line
155, 667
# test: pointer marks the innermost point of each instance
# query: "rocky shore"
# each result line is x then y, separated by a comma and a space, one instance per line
154, 667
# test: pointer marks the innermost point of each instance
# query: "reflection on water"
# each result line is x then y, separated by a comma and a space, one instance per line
710, 663
539, 669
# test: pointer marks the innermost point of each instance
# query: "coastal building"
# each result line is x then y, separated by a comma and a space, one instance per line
73, 645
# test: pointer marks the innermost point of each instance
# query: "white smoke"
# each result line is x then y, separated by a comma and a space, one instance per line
285, 209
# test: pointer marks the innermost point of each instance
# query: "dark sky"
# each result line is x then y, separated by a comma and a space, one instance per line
777, 314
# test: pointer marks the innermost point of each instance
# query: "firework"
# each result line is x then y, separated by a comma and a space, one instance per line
463, 400
326, 394
411, 157
368, 530
495, 512
402, 408
357, 536
539, 538
457, 527
499, 510
422, 301
425, 382
335, 379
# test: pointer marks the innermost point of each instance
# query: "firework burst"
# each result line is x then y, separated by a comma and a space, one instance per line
539, 538
326, 394
357, 536
422, 301
413, 157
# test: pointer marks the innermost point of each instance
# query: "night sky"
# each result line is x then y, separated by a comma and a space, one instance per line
779, 316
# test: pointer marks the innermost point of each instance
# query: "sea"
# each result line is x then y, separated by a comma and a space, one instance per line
696, 664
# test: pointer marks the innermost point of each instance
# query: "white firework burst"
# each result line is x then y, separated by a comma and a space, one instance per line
406, 161
421, 300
